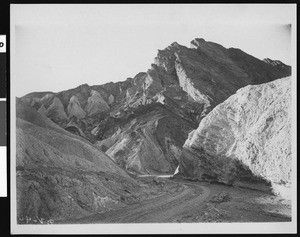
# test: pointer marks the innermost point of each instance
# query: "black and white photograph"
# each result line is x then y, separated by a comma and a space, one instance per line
153, 118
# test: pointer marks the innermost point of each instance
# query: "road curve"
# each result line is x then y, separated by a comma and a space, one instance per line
162, 209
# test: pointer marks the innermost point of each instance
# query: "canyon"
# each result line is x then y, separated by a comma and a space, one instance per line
219, 118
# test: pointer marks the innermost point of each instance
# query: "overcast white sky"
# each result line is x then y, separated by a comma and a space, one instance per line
58, 47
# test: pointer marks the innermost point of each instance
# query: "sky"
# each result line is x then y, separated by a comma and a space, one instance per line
59, 47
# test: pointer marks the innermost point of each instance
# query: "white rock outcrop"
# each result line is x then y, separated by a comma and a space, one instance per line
272, 62
187, 85
47, 96
160, 98
254, 127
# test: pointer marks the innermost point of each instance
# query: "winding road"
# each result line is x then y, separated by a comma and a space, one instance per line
179, 198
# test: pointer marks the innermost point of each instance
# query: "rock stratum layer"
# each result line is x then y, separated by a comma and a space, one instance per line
247, 137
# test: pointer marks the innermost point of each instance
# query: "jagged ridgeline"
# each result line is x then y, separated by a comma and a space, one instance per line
143, 122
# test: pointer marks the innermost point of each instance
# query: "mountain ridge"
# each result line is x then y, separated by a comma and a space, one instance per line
190, 82
36, 94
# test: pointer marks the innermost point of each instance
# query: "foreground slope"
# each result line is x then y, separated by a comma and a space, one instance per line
61, 175
245, 138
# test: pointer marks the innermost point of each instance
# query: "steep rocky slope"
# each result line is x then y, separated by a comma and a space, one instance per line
61, 175
245, 138
181, 87
150, 142
56, 111
74, 108
96, 104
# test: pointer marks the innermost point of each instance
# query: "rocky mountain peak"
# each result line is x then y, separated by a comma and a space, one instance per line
47, 96
273, 62
95, 94
47, 99
96, 104
56, 111
175, 44
74, 99
195, 43
85, 85
83, 89
74, 108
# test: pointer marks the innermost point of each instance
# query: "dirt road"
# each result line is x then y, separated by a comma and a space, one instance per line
183, 199
186, 201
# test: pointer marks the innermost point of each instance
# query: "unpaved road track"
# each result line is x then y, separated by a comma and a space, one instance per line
181, 199
186, 201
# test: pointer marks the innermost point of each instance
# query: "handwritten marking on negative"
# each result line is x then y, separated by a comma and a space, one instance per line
35, 220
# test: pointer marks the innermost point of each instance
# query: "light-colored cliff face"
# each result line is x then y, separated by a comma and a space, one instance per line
254, 127
47, 97
187, 85
96, 104
74, 108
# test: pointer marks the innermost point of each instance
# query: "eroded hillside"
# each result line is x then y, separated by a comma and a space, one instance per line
61, 175
142, 123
